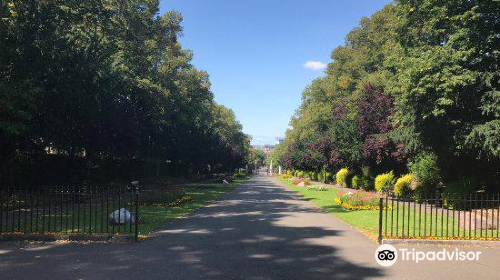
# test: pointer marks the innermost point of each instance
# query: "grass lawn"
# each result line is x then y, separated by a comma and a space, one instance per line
366, 221
202, 194
74, 218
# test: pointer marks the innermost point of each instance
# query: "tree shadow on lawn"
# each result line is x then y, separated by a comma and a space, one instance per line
256, 232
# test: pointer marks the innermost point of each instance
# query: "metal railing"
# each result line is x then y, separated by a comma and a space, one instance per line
476, 217
70, 210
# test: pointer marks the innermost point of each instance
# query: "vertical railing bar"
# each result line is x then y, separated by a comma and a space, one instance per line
403, 220
68, 196
119, 207
50, 209
419, 216
19, 191
84, 209
481, 221
475, 216
470, 215
414, 216
425, 217
397, 215
25, 212
380, 211
131, 191
437, 215
137, 213
73, 214
386, 209
458, 220
492, 205
409, 208
44, 198
442, 216
61, 209
31, 208
1, 209
430, 226
107, 208
498, 213
102, 210
486, 224
37, 209
392, 214
90, 210
448, 219
112, 211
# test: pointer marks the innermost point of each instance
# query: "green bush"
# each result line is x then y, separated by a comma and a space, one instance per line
341, 177
321, 177
455, 191
314, 176
403, 185
426, 172
356, 182
348, 179
366, 183
327, 177
384, 182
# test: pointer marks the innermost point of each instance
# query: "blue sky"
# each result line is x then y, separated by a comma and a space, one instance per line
256, 51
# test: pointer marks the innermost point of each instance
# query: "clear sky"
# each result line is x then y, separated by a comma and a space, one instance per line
260, 54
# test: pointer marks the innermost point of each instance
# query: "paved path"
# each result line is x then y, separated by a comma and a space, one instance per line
258, 231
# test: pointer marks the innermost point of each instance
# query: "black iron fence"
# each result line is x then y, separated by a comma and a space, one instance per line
70, 210
476, 217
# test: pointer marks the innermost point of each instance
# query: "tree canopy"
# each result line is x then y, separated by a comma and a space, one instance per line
417, 77
106, 83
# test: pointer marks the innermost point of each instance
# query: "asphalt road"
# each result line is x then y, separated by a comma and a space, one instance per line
258, 231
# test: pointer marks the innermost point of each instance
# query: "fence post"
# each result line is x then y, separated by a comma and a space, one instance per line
381, 207
136, 234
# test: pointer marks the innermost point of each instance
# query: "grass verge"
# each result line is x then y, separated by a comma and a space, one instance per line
201, 195
365, 221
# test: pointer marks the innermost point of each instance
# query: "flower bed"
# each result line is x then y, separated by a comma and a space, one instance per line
358, 200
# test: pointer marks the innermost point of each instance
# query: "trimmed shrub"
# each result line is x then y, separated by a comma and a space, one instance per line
426, 172
403, 185
321, 177
384, 182
341, 177
328, 177
366, 183
348, 178
314, 176
356, 182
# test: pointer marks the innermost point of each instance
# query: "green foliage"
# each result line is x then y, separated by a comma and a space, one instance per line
384, 182
321, 177
328, 177
341, 177
426, 172
107, 81
454, 192
402, 186
438, 62
355, 182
